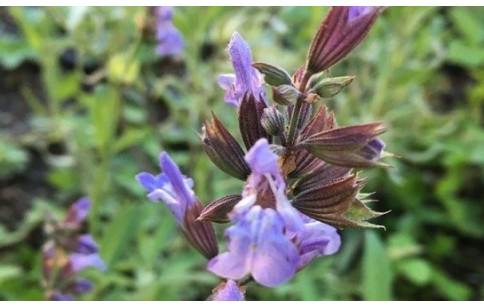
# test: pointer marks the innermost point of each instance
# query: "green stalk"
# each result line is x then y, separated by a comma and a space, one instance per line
294, 123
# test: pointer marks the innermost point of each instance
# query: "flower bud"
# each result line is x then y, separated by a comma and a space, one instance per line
286, 95
273, 121
329, 87
273, 75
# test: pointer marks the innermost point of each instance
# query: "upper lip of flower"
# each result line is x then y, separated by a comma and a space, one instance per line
246, 78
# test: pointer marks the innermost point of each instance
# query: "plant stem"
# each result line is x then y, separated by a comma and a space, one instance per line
294, 123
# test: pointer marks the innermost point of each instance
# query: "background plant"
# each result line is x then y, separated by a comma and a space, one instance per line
85, 103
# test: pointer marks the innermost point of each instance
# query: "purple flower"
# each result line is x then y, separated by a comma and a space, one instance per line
83, 286
79, 261
170, 40
78, 211
246, 79
257, 245
373, 150
316, 239
171, 186
355, 12
86, 244
267, 184
228, 291
57, 296
270, 239
68, 254
340, 32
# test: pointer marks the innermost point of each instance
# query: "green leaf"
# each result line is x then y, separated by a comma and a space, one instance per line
129, 138
417, 271
119, 233
377, 273
469, 23
468, 55
14, 51
9, 271
13, 159
123, 69
449, 288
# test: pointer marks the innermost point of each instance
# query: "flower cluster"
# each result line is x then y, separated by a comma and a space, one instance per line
67, 253
297, 166
170, 40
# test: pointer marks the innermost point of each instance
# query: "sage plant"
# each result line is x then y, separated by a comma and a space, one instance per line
170, 40
67, 252
297, 164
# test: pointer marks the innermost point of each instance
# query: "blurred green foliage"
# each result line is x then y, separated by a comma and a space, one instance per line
85, 104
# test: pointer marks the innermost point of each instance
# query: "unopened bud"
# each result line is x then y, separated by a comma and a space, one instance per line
286, 95
273, 75
329, 87
273, 121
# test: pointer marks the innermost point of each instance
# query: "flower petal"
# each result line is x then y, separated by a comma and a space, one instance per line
81, 261
228, 291
275, 257
86, 244
78, 211
227, 83
355, 12
181, 187
317, 239
247, 78
170, 40
262, 160
257, 245
83, 286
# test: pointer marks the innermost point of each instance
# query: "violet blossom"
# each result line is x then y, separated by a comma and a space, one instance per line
269, 240
246, 78
170, 40
69, 253
228, 291
175, 190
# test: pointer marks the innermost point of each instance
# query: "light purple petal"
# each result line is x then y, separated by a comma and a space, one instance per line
263, 163
227, 83
257, 245
57, 296
262, 160
164, 13
242, 208
291, 217
78, 211
275, 257
317, 239
228, 291
247, 78
241, 57
151, 182
86, 244
170, 40
234, 264
373, 150
83, 286
81, 261
355, 12
184, 194
171, 186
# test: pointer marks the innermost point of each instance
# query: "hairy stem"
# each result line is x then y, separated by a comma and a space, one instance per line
294, 123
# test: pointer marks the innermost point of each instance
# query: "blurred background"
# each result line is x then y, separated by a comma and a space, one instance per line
86, 103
